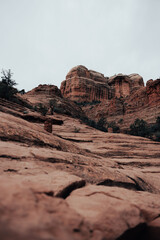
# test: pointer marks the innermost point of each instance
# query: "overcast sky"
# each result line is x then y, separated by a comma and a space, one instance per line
41, 40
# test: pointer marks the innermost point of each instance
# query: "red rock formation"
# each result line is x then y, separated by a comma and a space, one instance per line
83, 85
46, 89
153, 91
124, 85
143, 103
123, 98
51, 95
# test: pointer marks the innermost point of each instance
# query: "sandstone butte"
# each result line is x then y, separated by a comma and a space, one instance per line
79, 183
116, 98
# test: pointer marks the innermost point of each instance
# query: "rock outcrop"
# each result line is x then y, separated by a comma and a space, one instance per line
143, 103
45, 89
124, 85
50, 96
83, 85
120, 98
153, 92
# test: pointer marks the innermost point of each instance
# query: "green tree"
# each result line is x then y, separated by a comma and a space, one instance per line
7, 89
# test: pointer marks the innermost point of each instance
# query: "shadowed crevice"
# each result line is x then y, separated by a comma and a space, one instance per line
67, 191
10, 170
144, 186
73, 139
136, 233
9, 157
127, 185
139, 164
50, 193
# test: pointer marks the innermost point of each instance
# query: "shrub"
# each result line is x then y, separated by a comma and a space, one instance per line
7, 89
101, 124
114, 127
139, 128
120, 120
42, 109
94, 102
157, 134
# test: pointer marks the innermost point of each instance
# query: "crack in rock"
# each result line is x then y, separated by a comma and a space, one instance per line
127, 185
67, 190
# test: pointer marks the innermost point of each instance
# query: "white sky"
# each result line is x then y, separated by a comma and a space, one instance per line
41, 40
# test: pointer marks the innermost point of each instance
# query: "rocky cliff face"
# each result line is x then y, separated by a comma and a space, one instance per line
143, 103
153, 92
121, 97
124, 85
83, 85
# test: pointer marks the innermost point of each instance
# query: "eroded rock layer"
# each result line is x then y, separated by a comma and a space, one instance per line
83, 85
120, 98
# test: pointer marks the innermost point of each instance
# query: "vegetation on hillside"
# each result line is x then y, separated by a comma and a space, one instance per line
87, 103
7, 85
143, 129
41, 108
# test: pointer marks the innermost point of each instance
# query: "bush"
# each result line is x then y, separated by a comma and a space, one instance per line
42, 109
157, 135
139, 128
101, 124
94, 102
7, 89
114, 127
120, 120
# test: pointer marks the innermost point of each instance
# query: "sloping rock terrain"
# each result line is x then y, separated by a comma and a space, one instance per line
76, 182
